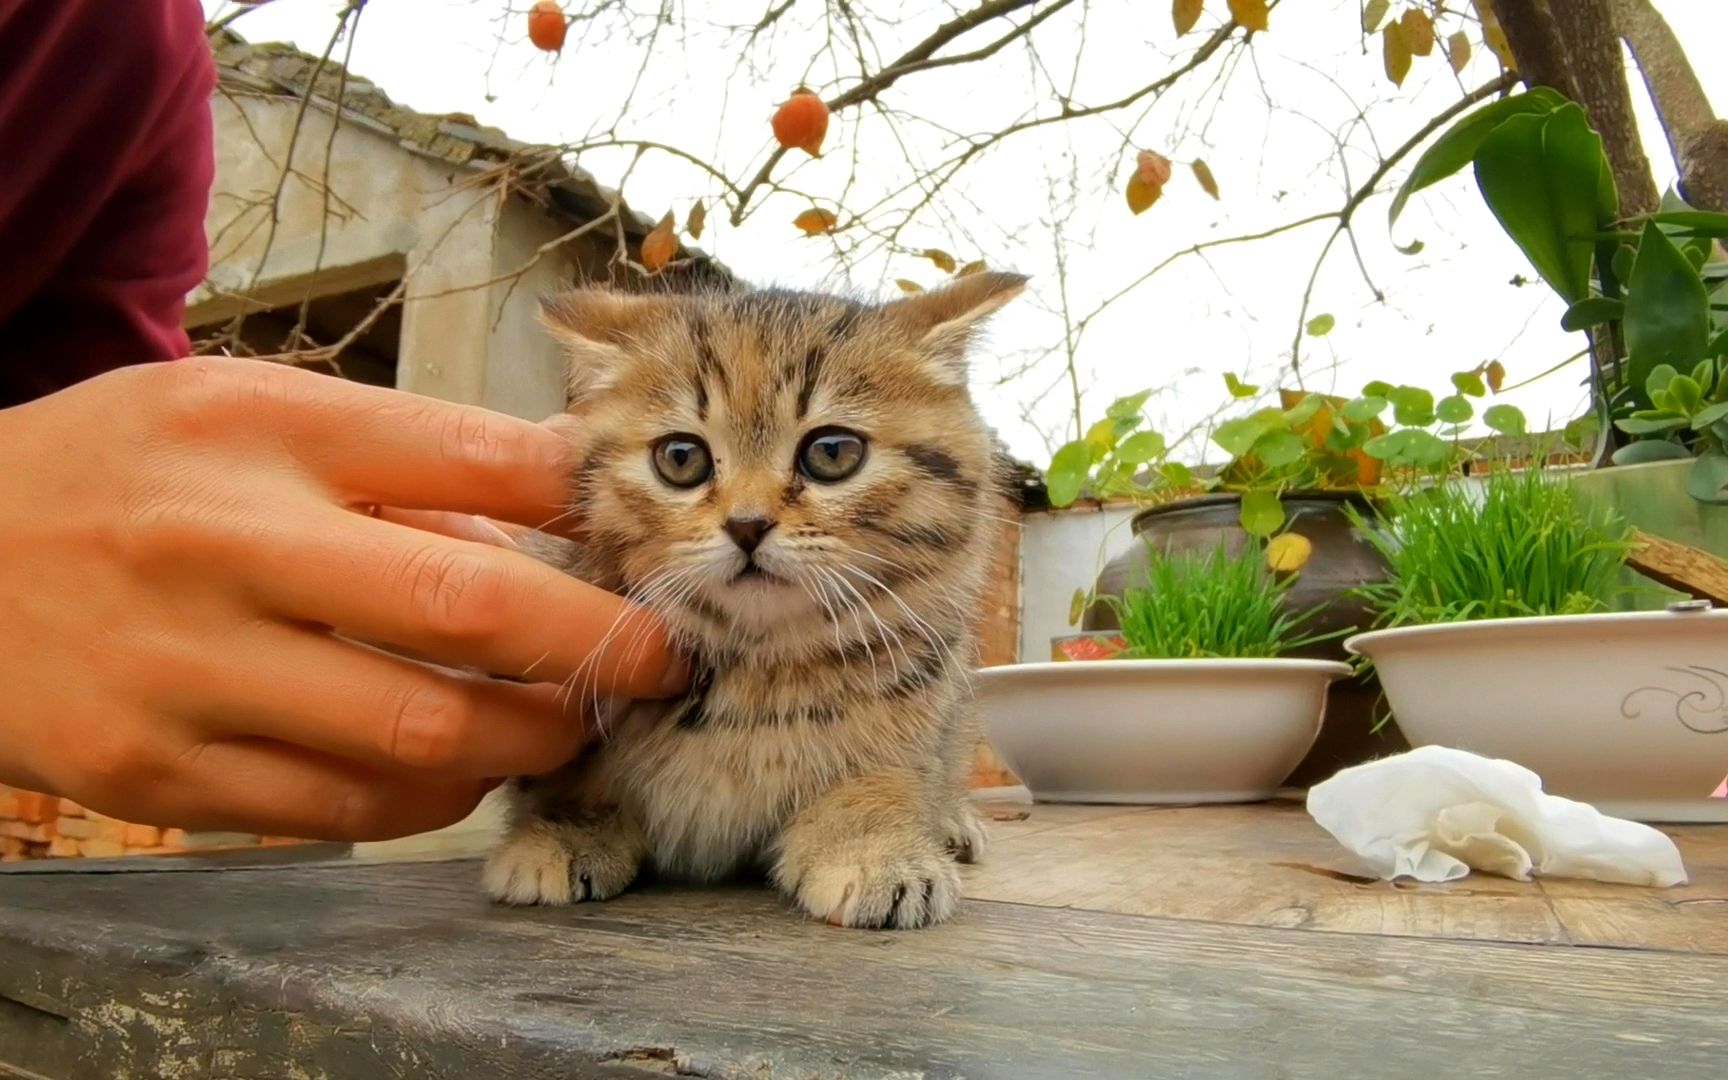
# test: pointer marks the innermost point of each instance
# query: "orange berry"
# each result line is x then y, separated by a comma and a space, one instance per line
802, 123
547, 26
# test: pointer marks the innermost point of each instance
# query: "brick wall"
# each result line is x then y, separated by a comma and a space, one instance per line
35, 826
999, 632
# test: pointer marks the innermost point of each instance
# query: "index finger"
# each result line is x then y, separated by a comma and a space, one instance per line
374, 445
464, 604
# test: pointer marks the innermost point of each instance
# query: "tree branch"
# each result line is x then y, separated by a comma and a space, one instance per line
1696, 138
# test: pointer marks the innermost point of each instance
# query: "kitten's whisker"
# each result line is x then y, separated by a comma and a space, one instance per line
650, 599
887, 631
931, 637
864, 636
833, 616
584, 682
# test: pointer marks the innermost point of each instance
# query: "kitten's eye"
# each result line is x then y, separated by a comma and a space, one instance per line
683, 460
831, 454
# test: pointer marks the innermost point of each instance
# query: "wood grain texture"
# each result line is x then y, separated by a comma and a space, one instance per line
401, 970
1687, 569
1272, 866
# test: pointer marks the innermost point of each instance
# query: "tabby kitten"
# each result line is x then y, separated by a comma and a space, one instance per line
800, 486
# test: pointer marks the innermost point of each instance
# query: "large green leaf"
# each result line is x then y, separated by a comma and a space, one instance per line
1262, 513
1128, 408
1389, 446
1458, 146
1139, 448
1667, 318
1506, 419
1412, 406
1541, 176
1455, 409
1276, 449
1645, 451
1591, 311
1238, 436
1363, 409
1708, 480
1633, 425
1067, 474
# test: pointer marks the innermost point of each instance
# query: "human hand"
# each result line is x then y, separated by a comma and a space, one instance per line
188, 561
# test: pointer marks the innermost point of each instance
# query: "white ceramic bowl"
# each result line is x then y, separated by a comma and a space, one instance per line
1155, 731
1627, 712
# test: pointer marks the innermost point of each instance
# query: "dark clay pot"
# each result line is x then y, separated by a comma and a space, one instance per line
1341, 561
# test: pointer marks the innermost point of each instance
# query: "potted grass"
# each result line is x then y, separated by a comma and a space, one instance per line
1202, 702
1297, 469
1494, 635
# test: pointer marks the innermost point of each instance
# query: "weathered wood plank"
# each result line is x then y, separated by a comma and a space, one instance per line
1681, 567
1270, 865
384, 970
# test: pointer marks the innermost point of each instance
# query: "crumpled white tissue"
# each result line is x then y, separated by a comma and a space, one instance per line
1435, 813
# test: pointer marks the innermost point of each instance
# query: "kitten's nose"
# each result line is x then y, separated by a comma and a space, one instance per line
748, 532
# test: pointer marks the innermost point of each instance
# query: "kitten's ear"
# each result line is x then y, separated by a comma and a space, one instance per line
596, 328
942, 320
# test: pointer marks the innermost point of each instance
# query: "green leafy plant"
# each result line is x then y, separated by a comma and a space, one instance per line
1389, 435
1523, 544
1649, 289
1120, 456
1211, 604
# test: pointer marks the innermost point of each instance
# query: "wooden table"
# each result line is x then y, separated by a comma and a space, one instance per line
1224, 942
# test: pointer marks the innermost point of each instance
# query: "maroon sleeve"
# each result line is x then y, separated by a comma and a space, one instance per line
106, 130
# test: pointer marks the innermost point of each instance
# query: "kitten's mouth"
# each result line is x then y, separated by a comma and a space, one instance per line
753, 572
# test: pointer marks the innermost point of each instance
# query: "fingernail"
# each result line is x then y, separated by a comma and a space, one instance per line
677, 678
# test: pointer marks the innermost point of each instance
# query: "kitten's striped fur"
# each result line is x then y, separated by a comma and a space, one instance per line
829, 731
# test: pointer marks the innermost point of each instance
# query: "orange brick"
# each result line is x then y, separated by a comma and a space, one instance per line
24, 830
101, 849
278, 841
141, 836
68, 808
63, 847
78, 828
11, 845
212, 841
8, 803
35, 807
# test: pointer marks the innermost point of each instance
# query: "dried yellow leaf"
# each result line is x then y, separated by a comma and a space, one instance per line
696, 220
1252, 14
1203, 173
976, 267
908, 286
1185, 13
944, 261
1373, 14
1495, 39
1458, 51
661, 244
1396, 52
1496, 372
1493, 35
1288, 553
1418, 31
1142, 193
815, 222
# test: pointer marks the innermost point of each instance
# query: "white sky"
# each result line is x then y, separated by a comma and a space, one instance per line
1268, 124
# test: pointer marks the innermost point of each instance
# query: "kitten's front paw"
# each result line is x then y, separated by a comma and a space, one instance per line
544, 864
881, 885
964, 833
